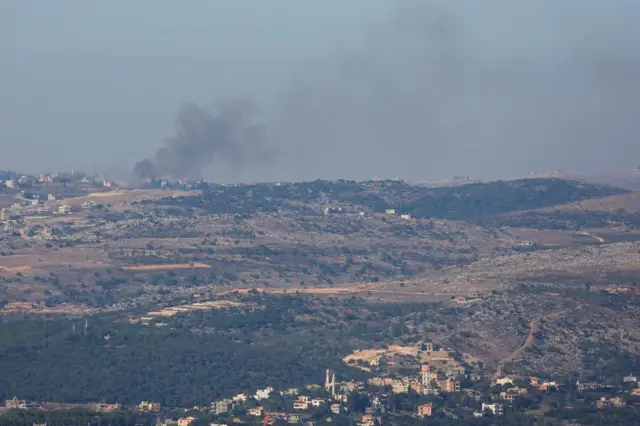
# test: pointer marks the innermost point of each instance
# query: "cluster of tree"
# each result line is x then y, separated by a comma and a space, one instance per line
16, 417
466, 202
567, 220
198, 357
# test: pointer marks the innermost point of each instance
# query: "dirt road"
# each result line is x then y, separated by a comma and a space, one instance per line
528, 341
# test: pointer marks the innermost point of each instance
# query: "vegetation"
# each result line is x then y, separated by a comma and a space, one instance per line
464, 202
72, 417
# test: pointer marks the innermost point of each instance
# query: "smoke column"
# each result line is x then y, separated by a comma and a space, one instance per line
229, 134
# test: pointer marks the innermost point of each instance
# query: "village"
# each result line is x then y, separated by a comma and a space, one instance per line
441, 388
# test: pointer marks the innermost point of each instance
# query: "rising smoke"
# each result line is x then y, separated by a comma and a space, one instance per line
203, 136
429, 94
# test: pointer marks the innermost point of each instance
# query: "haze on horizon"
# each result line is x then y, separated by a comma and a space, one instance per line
415, 89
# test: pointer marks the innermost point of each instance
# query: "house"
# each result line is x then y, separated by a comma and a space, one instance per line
629, 379
63, 209
425, 410
239, 398
300, 405
507, 396
290, 392
316, 402
263, 393
221, 407
430, 390
3, 215
369, 420
496, 409
405, 216
545, 386
185, 421
605, 402
428, 346
51, 197
256, 411
10, 184
336, 408
293, 419
449, 385
20, 404
333, 210
635, 392
390, 212
106, 408
151, 407
454, 371
588, 386
504, 380
400, 387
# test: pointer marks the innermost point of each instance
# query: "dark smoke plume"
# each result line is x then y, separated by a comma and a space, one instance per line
229, 135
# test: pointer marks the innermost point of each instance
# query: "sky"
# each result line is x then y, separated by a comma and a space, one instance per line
342, 88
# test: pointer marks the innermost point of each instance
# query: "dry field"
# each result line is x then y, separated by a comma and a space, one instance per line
42, 260
166, 267
15, 269
174, 310
127, 196
40, 308
372, 355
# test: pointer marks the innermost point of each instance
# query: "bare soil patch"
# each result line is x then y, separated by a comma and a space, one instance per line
166, 267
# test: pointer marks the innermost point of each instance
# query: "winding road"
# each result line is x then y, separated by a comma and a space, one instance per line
528, 341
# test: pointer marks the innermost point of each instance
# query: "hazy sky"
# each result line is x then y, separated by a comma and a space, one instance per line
346, 88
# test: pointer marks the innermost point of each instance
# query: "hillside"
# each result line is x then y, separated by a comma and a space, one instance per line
465, 202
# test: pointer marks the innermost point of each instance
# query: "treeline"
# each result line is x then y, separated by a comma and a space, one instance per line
567, 220
466, 202
198, 357
72, 417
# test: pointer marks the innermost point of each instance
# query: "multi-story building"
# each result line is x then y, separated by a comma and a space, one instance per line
221, 406
449, 385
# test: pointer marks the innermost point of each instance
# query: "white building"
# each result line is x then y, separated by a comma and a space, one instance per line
239, 398
496, 409
263, 393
